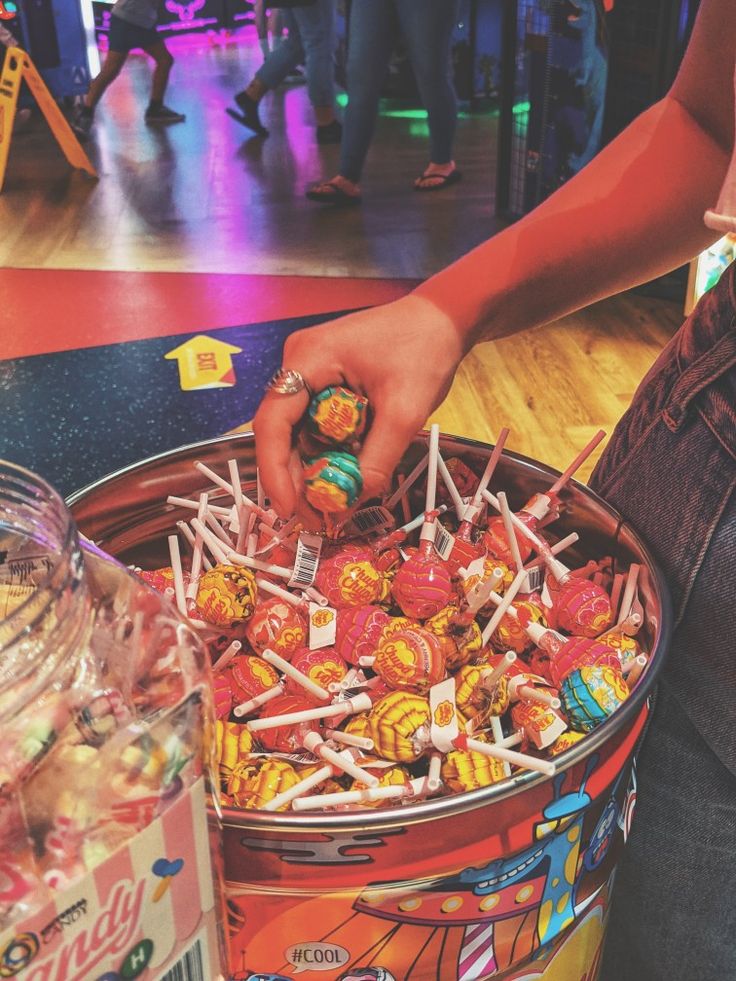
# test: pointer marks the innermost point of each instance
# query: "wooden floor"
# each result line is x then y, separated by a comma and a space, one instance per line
204, 197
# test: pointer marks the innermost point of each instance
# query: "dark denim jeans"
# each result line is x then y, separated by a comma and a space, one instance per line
670, 469
426, 26
311, 39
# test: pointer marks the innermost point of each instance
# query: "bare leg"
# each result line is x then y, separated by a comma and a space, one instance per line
110, 70
164, 60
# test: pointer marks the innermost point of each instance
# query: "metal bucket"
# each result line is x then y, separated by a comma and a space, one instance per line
511, 881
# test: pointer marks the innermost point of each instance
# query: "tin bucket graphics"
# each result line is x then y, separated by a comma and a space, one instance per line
511, 881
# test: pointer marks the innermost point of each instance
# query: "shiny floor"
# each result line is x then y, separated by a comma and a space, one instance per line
208, 196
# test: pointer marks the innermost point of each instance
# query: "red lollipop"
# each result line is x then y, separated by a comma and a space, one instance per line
324, 667
251, 676
350, 578
359, 630
410, 659
581, 607
277, 625
422, 586
286, 738
580, 652
223, 694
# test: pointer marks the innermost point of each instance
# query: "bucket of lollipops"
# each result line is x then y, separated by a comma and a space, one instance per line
428, 712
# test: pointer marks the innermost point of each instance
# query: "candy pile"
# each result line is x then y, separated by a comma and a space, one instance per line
101, 704
373, 665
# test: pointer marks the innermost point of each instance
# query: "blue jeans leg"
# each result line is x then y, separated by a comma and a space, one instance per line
369, 48
427, 27
673, 917
317, 30
283, 58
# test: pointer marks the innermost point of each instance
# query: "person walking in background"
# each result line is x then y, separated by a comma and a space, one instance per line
427, 28
311, 40
269, 26
132, 25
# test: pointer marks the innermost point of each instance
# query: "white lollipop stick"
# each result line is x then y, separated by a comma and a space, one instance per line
314, 594
275, 590
318, 801
237, 558
555, 549
407, 483
419, 520
530, 694
280, 537
430, 496
175, 558
576, 463
633, 670
490, 677
343, 761
434, 780
366, 660
214, 477
187, 532
301, 788
237, 489
504, 606
217, 528
629, 592
185, 502
245, 708
298, 676
348, 739
480, 594
213, 543
510, 534
191, 592
359, 703
541, 546
227, 655
507, 755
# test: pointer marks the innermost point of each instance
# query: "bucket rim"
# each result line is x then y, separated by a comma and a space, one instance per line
452, 804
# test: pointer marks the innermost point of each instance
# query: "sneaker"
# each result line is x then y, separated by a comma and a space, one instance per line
329, 133
162, 116
81, 121
248, 115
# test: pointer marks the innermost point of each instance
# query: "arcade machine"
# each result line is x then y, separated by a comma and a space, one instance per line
59, 36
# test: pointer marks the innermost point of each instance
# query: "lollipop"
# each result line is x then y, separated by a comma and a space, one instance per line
287, 738
226, 595
578, 652
349, 578
324, 667
234, 743
337, 415
422, 586
398, 724
590, 694
393, 776
277, 625
459, 643
410, 659
581, 607
333, 481
251, 676
223, 695
464, 770
359, 630
510, 634
254, 784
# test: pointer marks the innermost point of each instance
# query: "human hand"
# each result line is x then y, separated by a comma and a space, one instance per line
402, 356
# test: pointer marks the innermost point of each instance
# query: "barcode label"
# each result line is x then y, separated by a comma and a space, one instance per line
534, 579
371, 520
190, 967
444, 542
307, 560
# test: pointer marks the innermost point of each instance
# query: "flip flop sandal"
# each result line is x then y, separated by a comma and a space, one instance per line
335, 196
441, 181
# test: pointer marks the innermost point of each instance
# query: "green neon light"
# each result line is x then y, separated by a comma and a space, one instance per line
520, 108
342, 99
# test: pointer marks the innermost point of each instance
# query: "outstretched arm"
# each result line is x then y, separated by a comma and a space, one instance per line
633, 213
